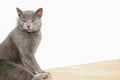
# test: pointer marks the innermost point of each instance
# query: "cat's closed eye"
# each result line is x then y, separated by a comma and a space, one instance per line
24, 21
33, 21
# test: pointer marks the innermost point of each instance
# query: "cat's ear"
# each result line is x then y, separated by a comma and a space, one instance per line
20, 12
39, 12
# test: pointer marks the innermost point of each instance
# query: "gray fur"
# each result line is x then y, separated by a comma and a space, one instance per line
17, 60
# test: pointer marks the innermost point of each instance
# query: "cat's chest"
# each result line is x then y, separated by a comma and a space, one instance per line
30, 41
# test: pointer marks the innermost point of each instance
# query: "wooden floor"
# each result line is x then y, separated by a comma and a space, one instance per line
107, 70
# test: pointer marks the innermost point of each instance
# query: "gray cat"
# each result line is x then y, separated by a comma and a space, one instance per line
17, 60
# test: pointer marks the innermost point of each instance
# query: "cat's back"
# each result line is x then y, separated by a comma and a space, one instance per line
7, 47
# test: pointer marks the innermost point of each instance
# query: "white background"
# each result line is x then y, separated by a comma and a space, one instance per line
74, 31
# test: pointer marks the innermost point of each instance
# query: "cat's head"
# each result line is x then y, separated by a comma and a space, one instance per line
29, 21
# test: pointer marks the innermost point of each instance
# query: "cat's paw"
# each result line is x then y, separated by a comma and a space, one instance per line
44, 72
42, 76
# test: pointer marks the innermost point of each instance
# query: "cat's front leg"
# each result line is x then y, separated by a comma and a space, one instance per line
30, 62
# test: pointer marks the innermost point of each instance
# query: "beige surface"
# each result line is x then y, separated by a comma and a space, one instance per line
108, 70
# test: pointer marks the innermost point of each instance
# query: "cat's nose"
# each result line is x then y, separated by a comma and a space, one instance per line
28, 26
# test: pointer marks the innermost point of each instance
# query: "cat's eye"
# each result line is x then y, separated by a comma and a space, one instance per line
33, 21
24, 21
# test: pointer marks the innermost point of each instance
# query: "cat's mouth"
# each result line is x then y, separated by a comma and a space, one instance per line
30, 30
